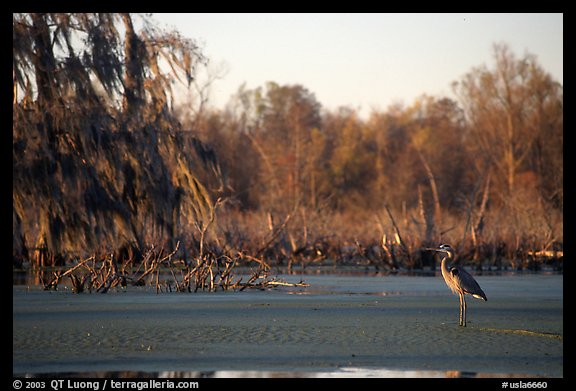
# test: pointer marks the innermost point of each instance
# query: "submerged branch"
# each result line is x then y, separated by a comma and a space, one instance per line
209, 273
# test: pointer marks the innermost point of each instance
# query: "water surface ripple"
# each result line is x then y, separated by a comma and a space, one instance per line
397, 323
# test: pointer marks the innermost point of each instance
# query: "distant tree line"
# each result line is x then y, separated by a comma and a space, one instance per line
483, 171
103, 158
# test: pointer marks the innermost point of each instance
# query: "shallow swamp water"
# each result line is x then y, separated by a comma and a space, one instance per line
340, 325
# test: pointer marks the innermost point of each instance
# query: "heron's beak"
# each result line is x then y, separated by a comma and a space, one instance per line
438, 250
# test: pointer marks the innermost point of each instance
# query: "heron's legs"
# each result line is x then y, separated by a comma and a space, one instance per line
464, 301
462, 310
461, 307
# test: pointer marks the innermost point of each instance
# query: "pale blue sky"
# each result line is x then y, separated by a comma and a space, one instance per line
363, 61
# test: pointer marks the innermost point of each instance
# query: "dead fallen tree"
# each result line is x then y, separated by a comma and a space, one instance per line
168, 273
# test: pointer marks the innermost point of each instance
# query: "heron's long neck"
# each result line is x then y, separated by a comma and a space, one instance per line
444, 265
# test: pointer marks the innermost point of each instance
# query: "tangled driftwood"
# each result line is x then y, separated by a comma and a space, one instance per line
208, 273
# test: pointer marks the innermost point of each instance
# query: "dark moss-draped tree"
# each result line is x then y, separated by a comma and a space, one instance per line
99, 160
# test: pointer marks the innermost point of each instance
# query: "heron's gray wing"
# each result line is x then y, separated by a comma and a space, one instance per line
467, 283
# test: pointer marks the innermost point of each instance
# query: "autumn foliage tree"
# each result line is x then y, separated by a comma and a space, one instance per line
280, 122
510, 108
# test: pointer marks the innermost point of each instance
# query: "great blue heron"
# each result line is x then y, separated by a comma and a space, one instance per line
458, 280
